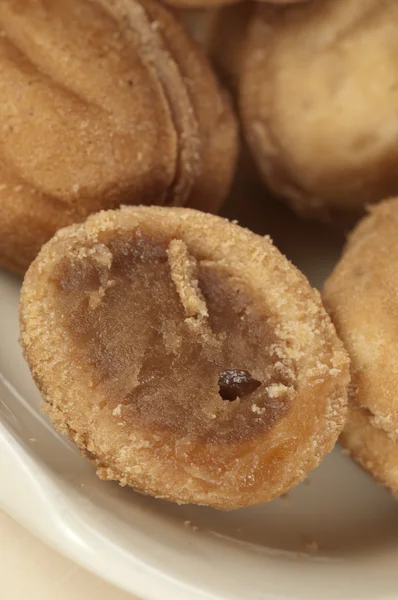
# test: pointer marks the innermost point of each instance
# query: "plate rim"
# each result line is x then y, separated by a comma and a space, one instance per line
24, 475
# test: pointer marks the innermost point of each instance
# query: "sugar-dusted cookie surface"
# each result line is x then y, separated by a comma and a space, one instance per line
184, 355
318, 97
361, 296
103, 103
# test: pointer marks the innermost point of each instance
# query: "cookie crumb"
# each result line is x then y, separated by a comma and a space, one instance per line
117, 411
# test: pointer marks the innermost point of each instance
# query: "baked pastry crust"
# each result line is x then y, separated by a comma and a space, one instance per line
361, 296
103, 103
371, 447
132, 323
209, 4
318, 98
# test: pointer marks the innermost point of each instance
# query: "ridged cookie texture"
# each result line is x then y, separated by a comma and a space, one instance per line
103, 103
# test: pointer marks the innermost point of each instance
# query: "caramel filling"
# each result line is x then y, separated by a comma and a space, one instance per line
168, 338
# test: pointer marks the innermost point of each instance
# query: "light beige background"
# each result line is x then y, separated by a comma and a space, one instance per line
30, 570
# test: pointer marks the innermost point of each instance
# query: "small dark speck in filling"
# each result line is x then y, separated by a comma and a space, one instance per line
235, 384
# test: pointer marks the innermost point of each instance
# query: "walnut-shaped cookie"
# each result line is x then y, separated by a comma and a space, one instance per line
317, 90
184, 355
103, 103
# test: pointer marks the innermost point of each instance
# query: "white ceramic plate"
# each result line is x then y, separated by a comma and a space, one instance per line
334, 537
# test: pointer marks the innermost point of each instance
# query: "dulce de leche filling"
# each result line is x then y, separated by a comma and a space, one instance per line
179, 343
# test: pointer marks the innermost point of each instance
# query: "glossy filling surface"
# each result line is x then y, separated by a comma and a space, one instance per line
181, 343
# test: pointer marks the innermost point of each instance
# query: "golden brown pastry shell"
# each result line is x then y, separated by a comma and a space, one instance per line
316, 86
170, 464
103, 103
361, 297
